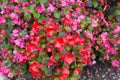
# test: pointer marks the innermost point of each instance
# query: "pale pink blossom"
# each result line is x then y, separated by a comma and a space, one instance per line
50, 8
94, 23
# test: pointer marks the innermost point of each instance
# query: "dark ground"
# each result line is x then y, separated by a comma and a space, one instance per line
99, 71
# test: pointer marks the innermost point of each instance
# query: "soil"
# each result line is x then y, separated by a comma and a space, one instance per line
99, 71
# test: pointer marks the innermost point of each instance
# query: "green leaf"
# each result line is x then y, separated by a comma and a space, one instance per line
37, 1
7, 63
117, 18
61, 34
36, 15
42, 17
28, 76
95, 4
43, 45
57, 57
5, 1
48, 72
43, 1
65, 11
57, 14
23, 33
38, 59
117, 12
68, 28
24, 68
32, 9
56, 79
68, 48
27, 16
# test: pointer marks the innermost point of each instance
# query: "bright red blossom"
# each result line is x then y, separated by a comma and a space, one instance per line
30, 47
59, 43
36, 27
49, 31
85, 55
35, 39
69, 58
33, 69
77, 71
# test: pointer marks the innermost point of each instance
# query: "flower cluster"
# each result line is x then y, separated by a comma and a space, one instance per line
55, 39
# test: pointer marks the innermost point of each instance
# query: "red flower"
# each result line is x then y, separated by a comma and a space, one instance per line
59, 43
67, 21
62, 56
85, 55
58, 70
118, 40
40, 66
71, 39
36, 40
33, 69
44, 22
118, 4
69, 58
77, 71
85, 52
62, 77
36, 27
81, 41
86, 60
50, 63
30, 47
102, 2
65, 71
49, 31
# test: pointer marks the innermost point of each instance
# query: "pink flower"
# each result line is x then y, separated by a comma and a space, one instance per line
15, 33
14, 18
3, 31
106, 57
40, 8
13, 15
50, 8
28, 11
89, 35
104, 36
82, 16
116, 30
2, 20
25, 4
4, 70
72, 1
94, 23
118, 40
63, 3
115, 63
20, 43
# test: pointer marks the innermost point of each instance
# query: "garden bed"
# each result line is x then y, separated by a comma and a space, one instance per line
99, 71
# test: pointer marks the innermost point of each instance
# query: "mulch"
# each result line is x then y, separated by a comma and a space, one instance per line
99, 71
